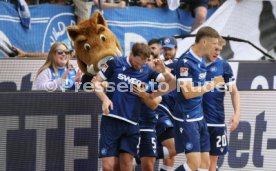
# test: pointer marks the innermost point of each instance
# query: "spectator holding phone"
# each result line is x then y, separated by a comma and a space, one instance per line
57, 73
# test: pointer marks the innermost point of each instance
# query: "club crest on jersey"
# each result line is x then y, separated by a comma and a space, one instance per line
184, 71
213, 69
104, 67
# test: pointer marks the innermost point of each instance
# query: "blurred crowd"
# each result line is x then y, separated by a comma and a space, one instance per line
198, 8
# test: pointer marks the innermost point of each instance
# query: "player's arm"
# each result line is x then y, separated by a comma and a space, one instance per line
190, 91
145, 97
99, 90
167, 80
235, 97
106, 72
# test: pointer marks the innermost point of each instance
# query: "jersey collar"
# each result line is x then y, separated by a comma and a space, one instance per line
127, 59
195, 56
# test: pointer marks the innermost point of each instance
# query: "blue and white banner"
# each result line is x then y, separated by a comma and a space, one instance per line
131, 24
48, 25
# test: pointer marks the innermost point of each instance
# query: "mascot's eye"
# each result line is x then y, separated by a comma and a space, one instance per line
87, 46
103, 37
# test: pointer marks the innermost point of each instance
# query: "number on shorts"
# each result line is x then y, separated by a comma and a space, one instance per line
153, 141
221, 141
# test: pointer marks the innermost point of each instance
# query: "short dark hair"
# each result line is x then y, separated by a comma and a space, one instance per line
141, 49
154, 41
206, 32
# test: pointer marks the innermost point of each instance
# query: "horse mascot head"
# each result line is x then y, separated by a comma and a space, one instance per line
94, 43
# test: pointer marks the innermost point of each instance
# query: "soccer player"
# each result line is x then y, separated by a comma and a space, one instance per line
121, 107
191, 133
155, 48
213, 106
164, 128
148, 141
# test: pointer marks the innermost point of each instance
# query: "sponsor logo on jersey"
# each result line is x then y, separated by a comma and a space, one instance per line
184, 71
129, 80
202, 76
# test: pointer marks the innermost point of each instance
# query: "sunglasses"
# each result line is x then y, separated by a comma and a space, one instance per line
62, 52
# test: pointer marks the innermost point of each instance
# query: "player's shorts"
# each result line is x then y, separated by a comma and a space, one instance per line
117, 136
163, 122
218, 140
148, 145
191, 136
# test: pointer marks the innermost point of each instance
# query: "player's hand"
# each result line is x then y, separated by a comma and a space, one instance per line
140, 91
219, 81
234, 122
107, 104
159, 65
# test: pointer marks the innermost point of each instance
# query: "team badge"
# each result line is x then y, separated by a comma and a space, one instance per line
213, 69
103, 151
184, 71
189, 146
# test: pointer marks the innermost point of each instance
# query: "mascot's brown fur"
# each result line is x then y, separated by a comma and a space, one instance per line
94, 43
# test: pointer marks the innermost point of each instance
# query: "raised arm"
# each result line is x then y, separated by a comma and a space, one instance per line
190, 91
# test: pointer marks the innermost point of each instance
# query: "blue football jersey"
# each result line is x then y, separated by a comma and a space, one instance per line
148, 117
121, 76
213, 106
168, 100
70, 80
189, 67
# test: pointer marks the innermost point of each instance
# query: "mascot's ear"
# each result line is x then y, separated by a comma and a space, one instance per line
73, 31
98, 18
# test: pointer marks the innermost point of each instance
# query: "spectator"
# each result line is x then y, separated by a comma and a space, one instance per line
57, 73
82, 9
107, 4
199, 9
